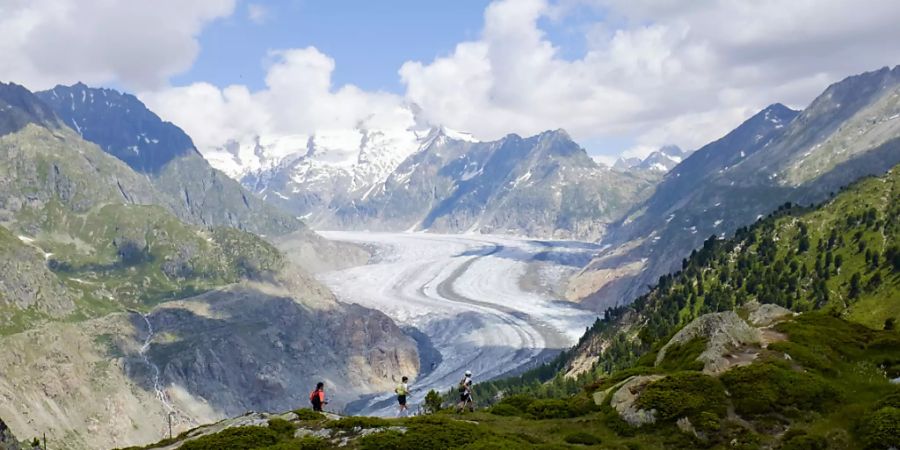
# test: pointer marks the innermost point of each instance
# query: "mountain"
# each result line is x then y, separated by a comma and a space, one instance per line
436, 179
314, 175
545, 185
843, 256
662, 160
123, 127
114, 311
778, 155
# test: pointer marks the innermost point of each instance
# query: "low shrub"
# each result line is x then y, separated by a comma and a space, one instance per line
308, 414
582, 438
503, 409
771, 387
520, 402
347, 423
684, 356
426, 433
282, 427
892, 400
804, 442
685, 394
881, 429
243, 438
304, 443
550, 409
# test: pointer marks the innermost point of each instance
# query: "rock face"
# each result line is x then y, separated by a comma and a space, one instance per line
254, 346
779, 155
442, 180
723, 333
122, 126
545, 185
625, 397
764, 315
662, 160
7, 440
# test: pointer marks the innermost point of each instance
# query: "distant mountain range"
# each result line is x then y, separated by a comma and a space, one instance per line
123, 127
440, 180
779, 155
662, 160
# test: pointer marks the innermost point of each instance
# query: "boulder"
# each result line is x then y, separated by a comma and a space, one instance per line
624, 398
763, 315
723, 331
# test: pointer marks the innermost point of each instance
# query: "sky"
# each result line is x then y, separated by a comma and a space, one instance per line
621, 76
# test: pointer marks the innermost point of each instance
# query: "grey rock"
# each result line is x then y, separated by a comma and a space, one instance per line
724, 332
624, 400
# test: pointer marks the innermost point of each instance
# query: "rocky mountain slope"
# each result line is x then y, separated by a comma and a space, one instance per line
196, 192
440, 180
662, 160
849, 131
115, 313
311, 174
545, 185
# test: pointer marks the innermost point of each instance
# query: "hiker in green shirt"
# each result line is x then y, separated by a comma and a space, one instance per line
402, 391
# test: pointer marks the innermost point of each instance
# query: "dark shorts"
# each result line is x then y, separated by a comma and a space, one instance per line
401, 399
464, 397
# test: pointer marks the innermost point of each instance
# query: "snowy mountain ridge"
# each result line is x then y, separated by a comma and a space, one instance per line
660, 161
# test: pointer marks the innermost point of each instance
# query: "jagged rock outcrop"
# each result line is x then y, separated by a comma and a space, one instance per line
723, 333
122, 126
7, 440
624, 400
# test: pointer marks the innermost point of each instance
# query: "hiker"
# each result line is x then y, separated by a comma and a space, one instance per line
465, 393
402, 391
317, 397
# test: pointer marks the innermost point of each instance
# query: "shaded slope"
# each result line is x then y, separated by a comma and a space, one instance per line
122, 126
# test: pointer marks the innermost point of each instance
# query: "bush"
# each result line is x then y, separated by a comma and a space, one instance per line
282, 427
304, 443
804, 442
433, 402
684, 356
243, 438
891, 400
881, 429
308, 414
773, 388
426, 433
550, 409
503, 409
348, 423
582, 438
685, 394
520, 402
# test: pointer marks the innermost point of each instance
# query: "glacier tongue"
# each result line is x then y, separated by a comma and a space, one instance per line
466, 294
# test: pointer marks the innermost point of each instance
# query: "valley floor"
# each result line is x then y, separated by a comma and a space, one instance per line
487, 303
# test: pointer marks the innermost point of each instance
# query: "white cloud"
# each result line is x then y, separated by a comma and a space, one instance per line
654, 71
257, 13
138, 44
298, 99
662, 71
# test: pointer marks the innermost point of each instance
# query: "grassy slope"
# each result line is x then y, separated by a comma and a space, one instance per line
763, 262
109, 248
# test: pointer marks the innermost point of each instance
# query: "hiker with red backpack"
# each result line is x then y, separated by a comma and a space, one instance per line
317, 397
